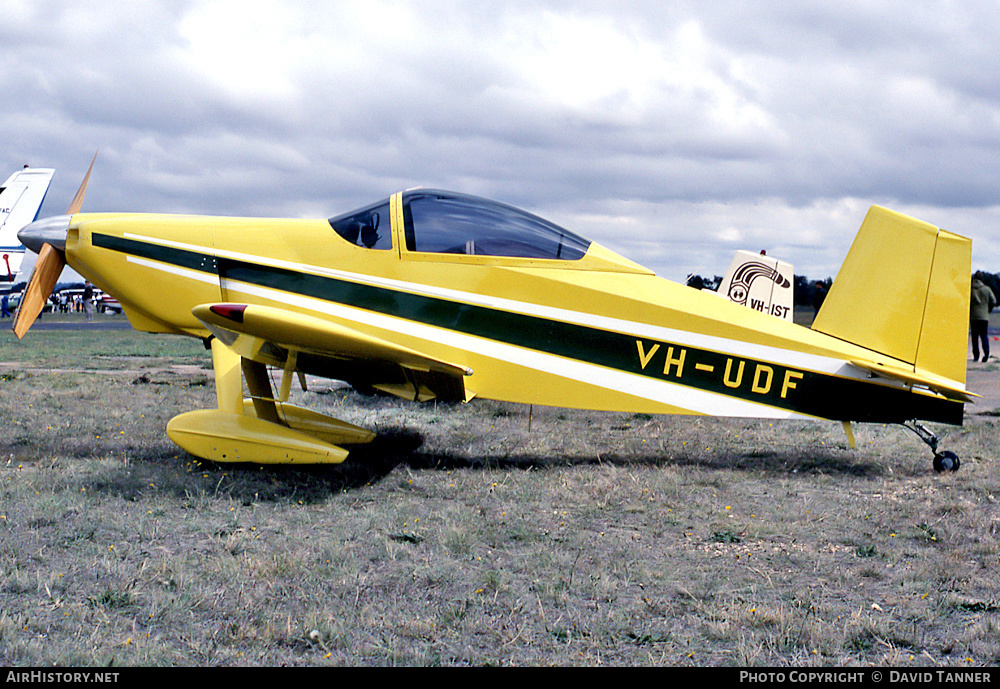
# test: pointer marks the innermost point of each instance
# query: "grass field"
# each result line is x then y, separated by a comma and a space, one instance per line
461, 538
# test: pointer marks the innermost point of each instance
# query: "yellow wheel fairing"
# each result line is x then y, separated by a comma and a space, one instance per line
225, 437
326, 428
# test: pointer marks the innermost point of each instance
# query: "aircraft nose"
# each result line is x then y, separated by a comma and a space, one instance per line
48, 231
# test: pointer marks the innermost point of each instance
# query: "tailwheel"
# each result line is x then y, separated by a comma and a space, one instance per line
943, 461
946, 461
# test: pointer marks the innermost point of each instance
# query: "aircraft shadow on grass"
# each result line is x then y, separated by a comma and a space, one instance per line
404, 447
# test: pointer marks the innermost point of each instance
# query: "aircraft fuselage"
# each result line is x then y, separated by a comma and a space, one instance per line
598, 332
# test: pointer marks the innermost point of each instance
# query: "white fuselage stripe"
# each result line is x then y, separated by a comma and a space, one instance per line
175, 270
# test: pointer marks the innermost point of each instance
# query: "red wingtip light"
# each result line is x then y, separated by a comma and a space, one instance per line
233, 312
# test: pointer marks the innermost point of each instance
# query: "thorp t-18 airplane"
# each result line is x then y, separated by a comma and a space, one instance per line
431, 294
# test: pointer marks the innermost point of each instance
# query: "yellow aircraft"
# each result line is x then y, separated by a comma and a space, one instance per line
431, 294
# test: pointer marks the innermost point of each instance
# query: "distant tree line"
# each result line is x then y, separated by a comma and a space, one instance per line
19, 286
810, 292
698, 282
992, 281
807, 290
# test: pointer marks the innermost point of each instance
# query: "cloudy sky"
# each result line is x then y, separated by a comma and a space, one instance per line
672, 132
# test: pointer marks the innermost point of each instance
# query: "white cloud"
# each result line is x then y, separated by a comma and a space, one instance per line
673, 132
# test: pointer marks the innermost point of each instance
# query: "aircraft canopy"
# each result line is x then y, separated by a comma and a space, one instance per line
451, 223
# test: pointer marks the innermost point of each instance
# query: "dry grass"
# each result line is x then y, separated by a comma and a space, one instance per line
461, 538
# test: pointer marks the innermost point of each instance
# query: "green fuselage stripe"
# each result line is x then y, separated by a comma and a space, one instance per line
772, 384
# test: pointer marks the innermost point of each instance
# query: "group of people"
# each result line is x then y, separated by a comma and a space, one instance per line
79, 302
84, 302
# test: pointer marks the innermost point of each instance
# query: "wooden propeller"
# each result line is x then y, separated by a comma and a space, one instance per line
47, 270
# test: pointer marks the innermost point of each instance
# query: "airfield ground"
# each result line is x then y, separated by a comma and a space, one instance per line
461, 537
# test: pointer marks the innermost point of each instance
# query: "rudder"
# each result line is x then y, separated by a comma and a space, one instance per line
903, 291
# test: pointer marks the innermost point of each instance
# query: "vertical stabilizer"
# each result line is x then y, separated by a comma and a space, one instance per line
21, 198
903, 291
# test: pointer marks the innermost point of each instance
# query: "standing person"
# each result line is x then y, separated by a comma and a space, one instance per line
819, 296
982, 302
4, 313
88, 302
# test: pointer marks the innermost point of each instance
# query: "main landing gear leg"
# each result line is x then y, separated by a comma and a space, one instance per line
943, 461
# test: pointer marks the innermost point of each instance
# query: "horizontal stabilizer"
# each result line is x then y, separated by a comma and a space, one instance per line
942, 387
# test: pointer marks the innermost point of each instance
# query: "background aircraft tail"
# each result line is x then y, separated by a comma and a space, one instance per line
761, 283
904, 291
21, 198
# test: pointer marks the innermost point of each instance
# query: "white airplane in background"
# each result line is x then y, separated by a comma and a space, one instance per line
21, 198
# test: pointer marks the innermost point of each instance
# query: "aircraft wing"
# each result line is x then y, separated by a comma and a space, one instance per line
943, 387
296, 342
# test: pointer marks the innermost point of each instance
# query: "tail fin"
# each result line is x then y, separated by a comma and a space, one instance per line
903, 291
21, 198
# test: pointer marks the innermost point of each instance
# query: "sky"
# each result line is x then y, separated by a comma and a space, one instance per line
671, 132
